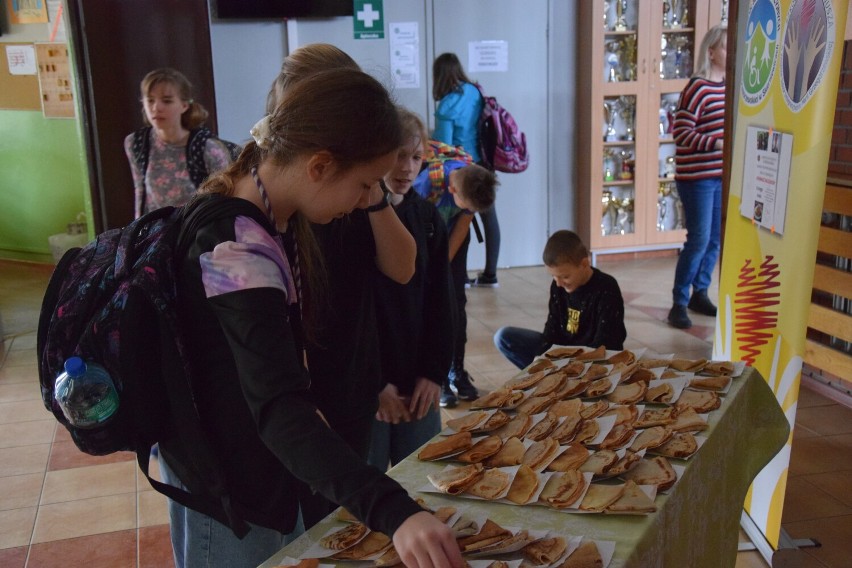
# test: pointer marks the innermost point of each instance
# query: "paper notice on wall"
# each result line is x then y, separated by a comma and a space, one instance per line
405, 54
56, 25
490, 55
766, 177
54, 78
22, 59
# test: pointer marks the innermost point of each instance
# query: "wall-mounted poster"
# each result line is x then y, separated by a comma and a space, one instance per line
27, 11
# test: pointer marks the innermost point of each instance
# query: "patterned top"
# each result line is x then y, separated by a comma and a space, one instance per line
167, 180
699, 121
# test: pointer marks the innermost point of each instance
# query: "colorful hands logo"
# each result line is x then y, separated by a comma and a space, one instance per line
761, 51
808, 41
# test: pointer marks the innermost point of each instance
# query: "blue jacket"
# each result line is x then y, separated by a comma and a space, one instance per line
457, 119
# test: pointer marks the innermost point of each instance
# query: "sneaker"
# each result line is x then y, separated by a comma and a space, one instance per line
468, 282
448, 397
462, 382
700, 303
486, 281
678, 318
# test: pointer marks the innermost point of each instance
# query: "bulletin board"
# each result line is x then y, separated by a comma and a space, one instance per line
18, 92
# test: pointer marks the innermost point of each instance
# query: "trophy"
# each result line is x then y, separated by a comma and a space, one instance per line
664, 122
669, 167
621, 15
628, 164
675, 7
613, 61
683, 57
611, 109
624, 215
609, 164
663, 54
606, 15
627, 110
609, 214
666, 9
667, 214
628, 51
724, 18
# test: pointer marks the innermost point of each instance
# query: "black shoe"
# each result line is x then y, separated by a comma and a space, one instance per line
448, 397
678, 317
700, 303
462, 382
486, 281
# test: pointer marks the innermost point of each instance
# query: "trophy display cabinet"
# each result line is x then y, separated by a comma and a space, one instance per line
637, 56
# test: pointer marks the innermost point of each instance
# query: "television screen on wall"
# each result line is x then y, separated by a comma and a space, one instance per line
275, 9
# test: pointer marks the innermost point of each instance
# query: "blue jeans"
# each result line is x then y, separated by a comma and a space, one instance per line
392, 443
702, 208
198, 541
520, 346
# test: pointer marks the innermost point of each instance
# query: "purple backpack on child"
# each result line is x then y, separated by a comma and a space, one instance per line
501, 143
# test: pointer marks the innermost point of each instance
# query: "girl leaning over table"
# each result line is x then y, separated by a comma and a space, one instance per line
244, 282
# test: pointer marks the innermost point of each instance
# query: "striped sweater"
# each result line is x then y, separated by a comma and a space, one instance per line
698, 122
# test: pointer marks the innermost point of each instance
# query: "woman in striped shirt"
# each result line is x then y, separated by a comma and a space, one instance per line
698, 131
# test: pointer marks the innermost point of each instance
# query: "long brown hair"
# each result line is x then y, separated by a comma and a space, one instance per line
447, 74
194, 116
305, 61
317, 114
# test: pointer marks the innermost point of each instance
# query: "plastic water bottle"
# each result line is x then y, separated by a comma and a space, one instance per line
85, 393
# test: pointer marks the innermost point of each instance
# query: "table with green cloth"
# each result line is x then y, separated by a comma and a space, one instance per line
697, 521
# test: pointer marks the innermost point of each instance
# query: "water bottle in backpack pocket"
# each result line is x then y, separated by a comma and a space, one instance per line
86, 394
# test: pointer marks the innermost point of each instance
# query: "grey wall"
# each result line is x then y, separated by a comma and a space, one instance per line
538, 89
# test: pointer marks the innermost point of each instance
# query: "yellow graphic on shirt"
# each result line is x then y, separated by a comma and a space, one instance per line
573, 321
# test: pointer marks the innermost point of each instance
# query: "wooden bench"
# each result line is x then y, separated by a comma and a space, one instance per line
835, 364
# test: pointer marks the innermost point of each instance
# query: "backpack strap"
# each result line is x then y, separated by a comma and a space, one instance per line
141, 148
195, 148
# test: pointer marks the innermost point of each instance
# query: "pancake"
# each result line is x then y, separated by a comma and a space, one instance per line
510, 454
524, 485
481, 450
572, 457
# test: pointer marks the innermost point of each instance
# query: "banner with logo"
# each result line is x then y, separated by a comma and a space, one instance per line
788, 62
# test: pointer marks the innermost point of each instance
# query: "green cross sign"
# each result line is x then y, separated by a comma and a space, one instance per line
369, 19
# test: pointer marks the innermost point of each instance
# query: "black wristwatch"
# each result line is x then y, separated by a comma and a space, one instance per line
386, 200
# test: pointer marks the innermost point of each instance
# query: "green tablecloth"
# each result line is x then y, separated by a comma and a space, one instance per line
696, 523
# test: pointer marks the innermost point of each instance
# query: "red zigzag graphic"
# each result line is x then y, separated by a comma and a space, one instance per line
754, 321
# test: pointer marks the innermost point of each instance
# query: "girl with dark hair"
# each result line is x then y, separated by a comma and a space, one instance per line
243, 284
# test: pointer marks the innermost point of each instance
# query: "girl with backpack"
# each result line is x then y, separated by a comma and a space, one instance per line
250, 284
173, 153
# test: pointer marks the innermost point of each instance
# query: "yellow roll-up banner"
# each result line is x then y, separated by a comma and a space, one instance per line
788, 62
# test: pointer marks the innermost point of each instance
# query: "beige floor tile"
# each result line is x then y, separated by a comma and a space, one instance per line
750, 559
152, 509
21, 357
142, 483
23, 459
24, 341
15, 392
20, 491
22, 411
16, 527
24, 374
84, 517
87, 482
27, 433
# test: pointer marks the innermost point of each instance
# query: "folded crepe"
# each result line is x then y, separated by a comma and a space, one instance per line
481, 450
655, 417
524, 485
549, 384
511, 544
688, 365
525, 381
700, 401
627, 462
446, 446
589, 430
662, 393
574, 368
493, 399
571, 388
563, 489
627, 393
567, 429
345, 537
653, 471
567, 407
572, 457
681, 445
511, 453
598, 497
627, 357
651, 438
624, 413
639, 374
599, 387
592, 354
654, 363
468, 421
632, 501
687, 420
456, 480
718, 368
599, 462
545, 551
618, 437
719, 383
490, 534
543, 427
586, 555
541, 453
540, 365
516, 427
370, 545
594, 409
496, 420
536, 404
563, 352
490, 485
595, 371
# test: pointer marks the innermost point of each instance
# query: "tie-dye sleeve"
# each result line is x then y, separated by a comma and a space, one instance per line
253, 260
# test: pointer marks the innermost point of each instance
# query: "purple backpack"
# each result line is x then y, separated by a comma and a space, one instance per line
501, 143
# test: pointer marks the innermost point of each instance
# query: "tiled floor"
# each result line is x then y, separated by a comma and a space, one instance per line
61, 507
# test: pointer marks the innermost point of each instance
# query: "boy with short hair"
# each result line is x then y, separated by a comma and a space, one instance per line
458, 188
586, 307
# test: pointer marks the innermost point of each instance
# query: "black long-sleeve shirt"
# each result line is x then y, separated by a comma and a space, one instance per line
592, 315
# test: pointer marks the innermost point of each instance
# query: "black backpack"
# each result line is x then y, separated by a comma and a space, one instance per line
114, 302
198, 138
